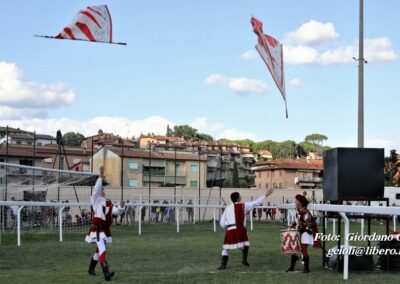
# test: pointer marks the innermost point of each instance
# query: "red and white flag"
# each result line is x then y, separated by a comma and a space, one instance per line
271, 53
91, 24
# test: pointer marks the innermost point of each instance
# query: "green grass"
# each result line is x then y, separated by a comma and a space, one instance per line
161, 255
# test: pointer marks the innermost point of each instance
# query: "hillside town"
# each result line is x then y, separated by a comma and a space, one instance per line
163, 161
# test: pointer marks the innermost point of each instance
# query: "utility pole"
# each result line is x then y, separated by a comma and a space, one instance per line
361, 61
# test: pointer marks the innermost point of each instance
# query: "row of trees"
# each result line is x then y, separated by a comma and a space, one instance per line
188, 133
392, 169
285, 149
288, 148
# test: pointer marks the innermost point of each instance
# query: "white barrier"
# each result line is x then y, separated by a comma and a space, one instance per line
342, 210
178, 208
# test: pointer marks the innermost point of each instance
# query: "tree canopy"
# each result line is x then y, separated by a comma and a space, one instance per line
188, 133
73, 138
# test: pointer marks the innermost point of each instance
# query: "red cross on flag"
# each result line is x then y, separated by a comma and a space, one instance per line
271, 53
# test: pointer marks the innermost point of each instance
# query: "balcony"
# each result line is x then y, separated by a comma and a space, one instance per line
164, 179
298, 180
154, 163
212, 163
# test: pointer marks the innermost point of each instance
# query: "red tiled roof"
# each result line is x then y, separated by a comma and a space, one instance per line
163, 137
300, 164
142, 153
40, 151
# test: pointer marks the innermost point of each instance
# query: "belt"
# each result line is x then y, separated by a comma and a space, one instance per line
231, 225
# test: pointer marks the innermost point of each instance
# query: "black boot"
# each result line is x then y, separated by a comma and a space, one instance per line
306, 268
106, 270
92, 267
293, 260
245, 253
224, 262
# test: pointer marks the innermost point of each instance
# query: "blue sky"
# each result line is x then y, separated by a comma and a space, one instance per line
174, 46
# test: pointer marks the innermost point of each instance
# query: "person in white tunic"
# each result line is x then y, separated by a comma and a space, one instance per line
100, 232
233, 220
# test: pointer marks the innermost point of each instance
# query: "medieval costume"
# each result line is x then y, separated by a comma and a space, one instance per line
233, 220
306, 225
99, 232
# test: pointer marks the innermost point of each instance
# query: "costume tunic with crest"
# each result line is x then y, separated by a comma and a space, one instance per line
305, 224
233, 220
102, 210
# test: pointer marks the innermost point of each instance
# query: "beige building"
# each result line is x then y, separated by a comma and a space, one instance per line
265, 155
139, 168
145, 140
289, 174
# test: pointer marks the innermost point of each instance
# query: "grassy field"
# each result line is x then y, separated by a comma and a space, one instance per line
161, 255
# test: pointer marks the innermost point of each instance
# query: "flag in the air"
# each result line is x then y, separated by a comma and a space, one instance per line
91, 24
271, 53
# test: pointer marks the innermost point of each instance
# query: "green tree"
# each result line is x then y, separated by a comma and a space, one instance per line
189, 133
73, 139
392, 167
316, 139
100, 132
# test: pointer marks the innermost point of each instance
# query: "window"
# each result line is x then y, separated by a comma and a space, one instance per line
194, 168
272, 173
26, 162
177, 168
275, 186
267, 185
268, 174
280, 173
259, 174
193, 184
133, 166
397, 196
133, 182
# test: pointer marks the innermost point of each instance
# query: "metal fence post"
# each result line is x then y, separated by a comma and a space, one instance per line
60, 222
19, 226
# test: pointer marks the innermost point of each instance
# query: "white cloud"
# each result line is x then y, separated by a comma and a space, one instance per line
216, 127
296, 82
17, 92
200, 123
214, 79
312, 33
219, 130
249, 55
241, 85
233, 133
379, 50
302, 46
21, 98
299, 54
22, 113
338, 55
117, 125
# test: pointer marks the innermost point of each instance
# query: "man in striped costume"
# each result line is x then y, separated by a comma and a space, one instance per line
99, 232
233, 221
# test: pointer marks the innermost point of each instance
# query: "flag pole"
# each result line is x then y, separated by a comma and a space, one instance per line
53, 37
361, 77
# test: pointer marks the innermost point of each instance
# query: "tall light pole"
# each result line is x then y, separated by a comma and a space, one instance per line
360, 140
